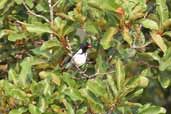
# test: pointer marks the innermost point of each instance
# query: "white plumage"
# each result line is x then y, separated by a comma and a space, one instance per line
79, 58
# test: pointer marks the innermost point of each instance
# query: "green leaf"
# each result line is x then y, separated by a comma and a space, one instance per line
2, 3
120, 74
18, 94
67, 78
50, 44
12, 76
25, 75
96, 87
164, 78
33, 109
147, 23
151, 109
16, 36
126, 36
138, 81
96, 104
110, 5
162, 10
30, 3
91, 27
101, 65
68, 105
107, 37
167, 33
73, 94
3, 33
38, 28
18, 1
159, 41
18, 111
135, 93
112, 85
82, 110
43, 105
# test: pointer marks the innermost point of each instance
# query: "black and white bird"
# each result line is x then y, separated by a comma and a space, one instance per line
80, 57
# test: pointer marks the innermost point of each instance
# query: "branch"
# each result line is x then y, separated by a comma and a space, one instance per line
56, 3
86, 76
51, 15
37, 15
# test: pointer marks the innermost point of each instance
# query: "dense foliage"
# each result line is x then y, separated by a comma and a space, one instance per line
127, 71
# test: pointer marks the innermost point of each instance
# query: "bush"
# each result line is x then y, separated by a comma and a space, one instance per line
127, 71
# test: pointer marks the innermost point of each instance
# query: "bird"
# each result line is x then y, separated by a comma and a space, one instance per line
80, 57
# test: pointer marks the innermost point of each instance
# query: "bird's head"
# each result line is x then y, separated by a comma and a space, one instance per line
85, 46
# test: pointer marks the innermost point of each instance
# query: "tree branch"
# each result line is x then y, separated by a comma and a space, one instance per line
32, 13
86, 76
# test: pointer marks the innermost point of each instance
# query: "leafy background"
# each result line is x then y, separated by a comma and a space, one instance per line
127, 71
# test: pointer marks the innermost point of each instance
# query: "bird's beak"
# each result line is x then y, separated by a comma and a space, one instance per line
89, 46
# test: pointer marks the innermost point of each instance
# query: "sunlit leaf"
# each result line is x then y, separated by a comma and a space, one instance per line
38, 28
16, 36
150, 109
33, 109
147, 23
107, 37
159, 41
120, 74
18, 111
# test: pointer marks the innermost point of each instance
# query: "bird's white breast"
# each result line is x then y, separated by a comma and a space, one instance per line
79, 58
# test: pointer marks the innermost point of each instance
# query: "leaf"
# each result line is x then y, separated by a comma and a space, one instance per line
101, 65
126, 36
107, 37
159, 41
82, 110
147, 23
25, 74
162, 10
42, 104
38, 28
29, 3
18, 94
16, 36
69, 107
95, 103
91, 27
151, 109
120, 74
167, 33
96, 87
2, 3
3, 33
50, 44
73, 94
33, 109
112, 85
67, 78
164, 79
18, 1
12, 76
135, 93
110, 5
138, 81
18, 111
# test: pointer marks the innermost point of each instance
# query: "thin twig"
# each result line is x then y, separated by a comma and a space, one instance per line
56, 3
51, 16
86, 76
32, 13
